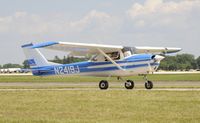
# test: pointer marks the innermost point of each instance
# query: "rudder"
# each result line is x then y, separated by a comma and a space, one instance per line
34, 57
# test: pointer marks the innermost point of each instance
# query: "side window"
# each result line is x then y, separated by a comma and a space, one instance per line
114, 55
98, 58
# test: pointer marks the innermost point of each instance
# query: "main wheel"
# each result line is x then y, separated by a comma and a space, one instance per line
103, 84
149, 85
129, 84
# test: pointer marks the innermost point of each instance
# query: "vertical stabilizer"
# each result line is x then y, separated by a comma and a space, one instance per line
34, 57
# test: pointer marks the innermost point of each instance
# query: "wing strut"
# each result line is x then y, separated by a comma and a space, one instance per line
108, 57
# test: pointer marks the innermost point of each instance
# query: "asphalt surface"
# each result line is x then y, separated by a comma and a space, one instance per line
87, 89
161, 72
159, 83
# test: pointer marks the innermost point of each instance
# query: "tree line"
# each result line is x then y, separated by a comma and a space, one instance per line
180, 62
68, 60
10, 65
64, 60
171, 63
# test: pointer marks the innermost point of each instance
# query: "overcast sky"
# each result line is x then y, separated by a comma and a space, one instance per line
173, 23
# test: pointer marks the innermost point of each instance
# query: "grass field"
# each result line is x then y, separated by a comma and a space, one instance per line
179, 77
100, 107
96, 106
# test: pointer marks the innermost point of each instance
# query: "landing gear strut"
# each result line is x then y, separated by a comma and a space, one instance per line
148, 84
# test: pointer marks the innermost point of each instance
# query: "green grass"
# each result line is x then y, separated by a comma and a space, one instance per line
181, 77
99, 106
95, 106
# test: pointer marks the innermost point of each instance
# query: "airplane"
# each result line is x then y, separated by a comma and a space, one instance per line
106, 61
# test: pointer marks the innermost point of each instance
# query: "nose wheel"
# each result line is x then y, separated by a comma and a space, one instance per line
148, 84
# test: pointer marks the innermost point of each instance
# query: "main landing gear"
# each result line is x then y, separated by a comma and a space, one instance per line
129, 84
103, 84
148, 85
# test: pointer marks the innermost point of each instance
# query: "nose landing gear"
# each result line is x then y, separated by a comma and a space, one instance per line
148, 84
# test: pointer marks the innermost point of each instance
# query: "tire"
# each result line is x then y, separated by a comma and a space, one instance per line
149, 85
129, 84
103, 84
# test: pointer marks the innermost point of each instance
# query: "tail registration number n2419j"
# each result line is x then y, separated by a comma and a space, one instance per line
66, 70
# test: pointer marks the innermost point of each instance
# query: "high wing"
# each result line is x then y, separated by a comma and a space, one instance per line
78, 49
83, 49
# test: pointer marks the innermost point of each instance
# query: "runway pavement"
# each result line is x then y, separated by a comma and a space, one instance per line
110, 89
160, 72
158, 83
87, 86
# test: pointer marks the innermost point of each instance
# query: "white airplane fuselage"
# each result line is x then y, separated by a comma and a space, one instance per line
133, 65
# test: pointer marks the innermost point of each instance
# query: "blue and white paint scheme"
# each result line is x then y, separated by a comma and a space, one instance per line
106, 60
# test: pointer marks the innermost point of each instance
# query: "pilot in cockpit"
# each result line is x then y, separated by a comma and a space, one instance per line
127, 51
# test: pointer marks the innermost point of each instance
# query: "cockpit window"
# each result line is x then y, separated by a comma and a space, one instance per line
112, 55
131, 49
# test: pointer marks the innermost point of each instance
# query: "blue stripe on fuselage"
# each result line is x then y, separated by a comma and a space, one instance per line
88, 66
82, 67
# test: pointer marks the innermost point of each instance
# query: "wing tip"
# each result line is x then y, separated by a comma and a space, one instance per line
173, 50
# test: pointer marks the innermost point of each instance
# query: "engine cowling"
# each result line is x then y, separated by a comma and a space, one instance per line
157, 58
